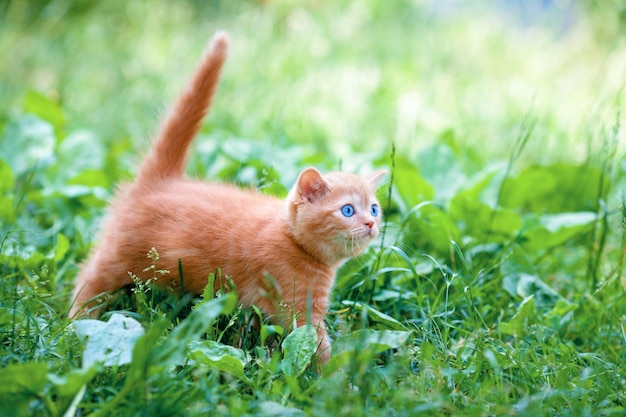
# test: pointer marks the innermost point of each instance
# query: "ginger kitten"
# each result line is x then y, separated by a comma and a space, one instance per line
300, 242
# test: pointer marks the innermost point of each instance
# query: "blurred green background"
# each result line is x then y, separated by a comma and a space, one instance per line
505, 225
343, 77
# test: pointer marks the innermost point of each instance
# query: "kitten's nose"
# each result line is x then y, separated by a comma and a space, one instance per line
369, 223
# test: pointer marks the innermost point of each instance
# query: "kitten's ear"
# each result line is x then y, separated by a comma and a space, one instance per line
375, 177
312, 185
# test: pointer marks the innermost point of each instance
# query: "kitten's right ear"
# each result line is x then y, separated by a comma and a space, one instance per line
311, 185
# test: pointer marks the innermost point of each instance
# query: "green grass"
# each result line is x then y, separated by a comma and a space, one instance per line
498, 288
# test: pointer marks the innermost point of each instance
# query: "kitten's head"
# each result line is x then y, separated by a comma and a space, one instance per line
334, 216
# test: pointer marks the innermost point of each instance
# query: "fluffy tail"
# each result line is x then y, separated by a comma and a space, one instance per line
168, 153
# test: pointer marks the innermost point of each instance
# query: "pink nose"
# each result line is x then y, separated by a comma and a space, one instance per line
369, 223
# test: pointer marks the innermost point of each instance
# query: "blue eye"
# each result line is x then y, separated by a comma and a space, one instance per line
374, 210
347, 210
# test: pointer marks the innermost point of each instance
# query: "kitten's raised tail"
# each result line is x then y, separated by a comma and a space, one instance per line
168, 153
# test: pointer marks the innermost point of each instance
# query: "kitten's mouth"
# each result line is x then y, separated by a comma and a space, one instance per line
369, 233
366, 234
356, 242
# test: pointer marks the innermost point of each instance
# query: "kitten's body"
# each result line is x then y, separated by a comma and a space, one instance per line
299, 242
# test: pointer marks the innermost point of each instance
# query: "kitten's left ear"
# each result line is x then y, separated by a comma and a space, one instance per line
375, 177
312, 185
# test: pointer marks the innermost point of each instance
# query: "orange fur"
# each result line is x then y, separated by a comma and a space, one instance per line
300, 242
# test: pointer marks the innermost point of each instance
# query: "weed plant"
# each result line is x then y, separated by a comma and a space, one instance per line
497, 287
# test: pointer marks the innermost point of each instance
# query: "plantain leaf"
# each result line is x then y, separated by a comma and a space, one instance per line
299, 347
219, 356
110, 343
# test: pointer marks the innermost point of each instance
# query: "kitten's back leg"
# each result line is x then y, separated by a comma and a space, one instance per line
95, 278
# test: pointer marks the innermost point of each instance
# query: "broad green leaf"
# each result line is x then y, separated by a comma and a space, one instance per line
172, 351
376, 340
561, 314
438, 165
81, 159
552, 230
526, 285
557, 223
524, 316
109, 343
7, 212
517, 261
299, 347
249, 165
430, 228
63, 245
27, 144
411, 186
21, 384
549, 189
89, 196
90, 178
19, 379
219, 356
44, 107
480, 220
483, 187
376, 315
503, 222
6, 177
